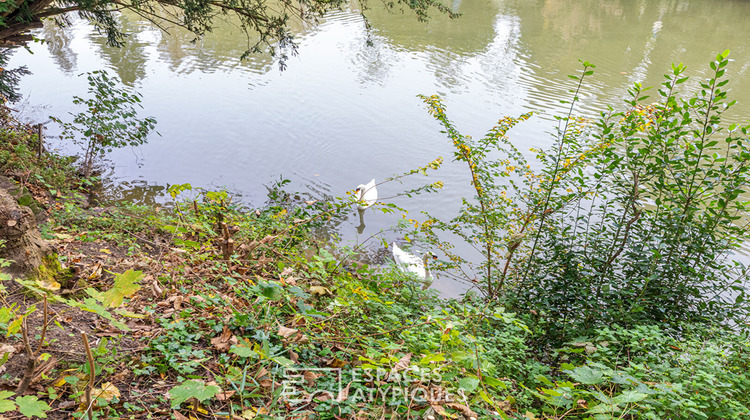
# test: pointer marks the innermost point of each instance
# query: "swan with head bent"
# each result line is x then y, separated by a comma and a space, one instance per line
410, 263
366, 195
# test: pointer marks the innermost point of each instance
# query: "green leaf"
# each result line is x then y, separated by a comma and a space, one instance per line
91, 305
543, 379
586, 375
469, 383
30, 406
604, 411
495, 382
6, 404
126, 284
5, 315
271, 292
485, 397
629, 397
192, 389
283, 361
15, 326
243, 351
435, 357
460, 355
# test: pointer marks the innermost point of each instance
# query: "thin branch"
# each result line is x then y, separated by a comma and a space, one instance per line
44, 328
92, 373
30, 361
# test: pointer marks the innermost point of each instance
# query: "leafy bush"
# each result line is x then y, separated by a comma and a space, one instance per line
109, 121
644, 372
631, 220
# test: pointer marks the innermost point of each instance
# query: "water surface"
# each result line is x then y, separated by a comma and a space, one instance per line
346, 109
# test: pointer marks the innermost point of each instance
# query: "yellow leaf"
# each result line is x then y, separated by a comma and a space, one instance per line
320, 290
126, 284
253, 412
105, 250
48, 284
107, 392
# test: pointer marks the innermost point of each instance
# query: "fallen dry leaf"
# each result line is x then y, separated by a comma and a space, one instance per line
294, 357
286, 332
344, 393
6, 349
224, 341
177, 304
179, 416
439, 410
225, 395
335, 363
465, 410
311, 377
403, 363
261, 373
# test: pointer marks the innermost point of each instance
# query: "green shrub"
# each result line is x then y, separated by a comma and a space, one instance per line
645, 372
109, 121
632, 219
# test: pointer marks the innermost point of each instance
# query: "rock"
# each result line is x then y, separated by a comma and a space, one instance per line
23, 244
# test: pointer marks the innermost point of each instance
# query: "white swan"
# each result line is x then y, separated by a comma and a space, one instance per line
366, 195
410, 263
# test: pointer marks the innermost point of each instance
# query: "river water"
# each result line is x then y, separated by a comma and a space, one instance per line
346, 109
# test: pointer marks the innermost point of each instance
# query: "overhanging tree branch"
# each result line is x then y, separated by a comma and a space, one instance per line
264, 24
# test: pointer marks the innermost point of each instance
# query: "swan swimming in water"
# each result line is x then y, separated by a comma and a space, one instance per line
410, 263
366, 195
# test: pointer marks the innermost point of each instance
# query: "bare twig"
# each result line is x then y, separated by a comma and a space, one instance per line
92, 374
44, 328
30, 361
40, 150
32, 355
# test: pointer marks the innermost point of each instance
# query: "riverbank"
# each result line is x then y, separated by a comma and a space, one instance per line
209, 310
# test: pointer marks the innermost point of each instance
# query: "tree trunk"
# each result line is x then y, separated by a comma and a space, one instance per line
18, 229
